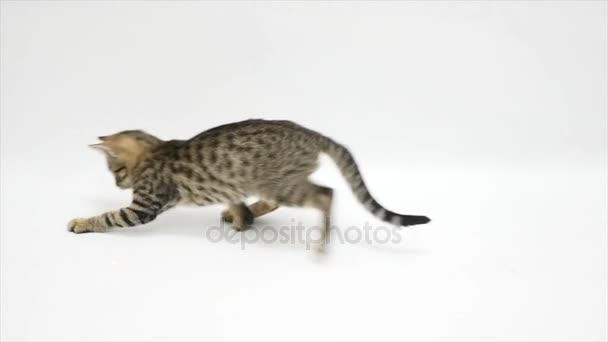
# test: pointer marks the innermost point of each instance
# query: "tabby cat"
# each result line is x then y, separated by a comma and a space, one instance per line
271, 160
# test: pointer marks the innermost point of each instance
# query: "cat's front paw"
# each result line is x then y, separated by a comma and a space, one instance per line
80, 225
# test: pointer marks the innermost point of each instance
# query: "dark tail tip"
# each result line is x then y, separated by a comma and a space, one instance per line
411, 220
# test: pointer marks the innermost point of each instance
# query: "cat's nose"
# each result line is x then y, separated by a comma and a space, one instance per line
102, 137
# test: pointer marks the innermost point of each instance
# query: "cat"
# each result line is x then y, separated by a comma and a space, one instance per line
271, 160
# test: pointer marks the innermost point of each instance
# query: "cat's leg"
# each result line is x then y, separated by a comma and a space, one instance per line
262, 207
308, 194
142, 210
256, 209
238, 215
124, 217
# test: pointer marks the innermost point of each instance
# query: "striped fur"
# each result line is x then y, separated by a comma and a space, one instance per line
347, 165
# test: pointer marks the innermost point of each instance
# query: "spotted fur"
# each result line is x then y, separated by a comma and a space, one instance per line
271, 160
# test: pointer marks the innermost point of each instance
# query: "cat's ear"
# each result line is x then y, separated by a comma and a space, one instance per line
105, 148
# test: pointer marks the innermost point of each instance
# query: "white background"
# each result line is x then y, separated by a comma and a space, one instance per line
489, 117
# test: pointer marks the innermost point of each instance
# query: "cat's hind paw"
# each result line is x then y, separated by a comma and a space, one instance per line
227, 216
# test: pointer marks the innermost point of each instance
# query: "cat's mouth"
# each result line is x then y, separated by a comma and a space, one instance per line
122, 186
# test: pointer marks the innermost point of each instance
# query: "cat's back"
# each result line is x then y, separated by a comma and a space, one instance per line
237, 158
258, 139
251, 128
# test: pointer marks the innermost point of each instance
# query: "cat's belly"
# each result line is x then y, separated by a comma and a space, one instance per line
207, 195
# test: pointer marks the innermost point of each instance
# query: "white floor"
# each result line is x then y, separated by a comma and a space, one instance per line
490, 117
536, 271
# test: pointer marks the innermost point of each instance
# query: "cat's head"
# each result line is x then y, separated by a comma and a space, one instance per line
123, 151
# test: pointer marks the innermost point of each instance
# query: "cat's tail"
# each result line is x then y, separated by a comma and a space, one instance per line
347, 165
